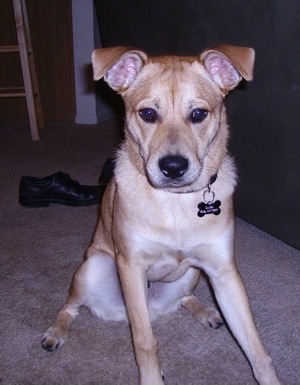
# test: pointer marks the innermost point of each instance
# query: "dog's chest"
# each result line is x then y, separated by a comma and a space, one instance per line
168, 252
166, 232
168, 266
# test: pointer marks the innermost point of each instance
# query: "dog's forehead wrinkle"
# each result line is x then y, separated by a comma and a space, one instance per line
148, 102
199, 102
176, 83
173, 61
170, 68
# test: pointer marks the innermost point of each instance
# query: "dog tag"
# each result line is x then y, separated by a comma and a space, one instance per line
209, 206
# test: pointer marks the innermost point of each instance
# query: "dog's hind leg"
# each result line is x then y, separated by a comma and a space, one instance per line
56, 335
95, 285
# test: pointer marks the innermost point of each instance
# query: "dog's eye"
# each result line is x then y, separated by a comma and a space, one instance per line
198, 115
148, 115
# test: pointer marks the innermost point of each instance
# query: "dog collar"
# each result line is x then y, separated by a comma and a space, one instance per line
209, 205
213, 178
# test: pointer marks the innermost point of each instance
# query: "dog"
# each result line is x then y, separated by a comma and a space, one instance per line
167, 213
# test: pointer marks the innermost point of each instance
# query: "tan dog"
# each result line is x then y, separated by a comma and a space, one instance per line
167, 213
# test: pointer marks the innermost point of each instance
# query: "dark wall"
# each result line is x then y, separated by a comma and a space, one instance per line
264, 115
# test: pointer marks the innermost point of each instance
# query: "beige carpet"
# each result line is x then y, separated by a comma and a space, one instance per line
40, 249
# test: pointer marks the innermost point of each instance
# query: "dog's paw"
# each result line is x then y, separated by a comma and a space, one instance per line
212, 319
53, 339
202, 313
209, 317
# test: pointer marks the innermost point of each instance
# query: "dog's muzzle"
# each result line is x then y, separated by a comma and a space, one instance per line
173, 173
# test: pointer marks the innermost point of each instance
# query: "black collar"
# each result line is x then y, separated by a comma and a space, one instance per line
213, 178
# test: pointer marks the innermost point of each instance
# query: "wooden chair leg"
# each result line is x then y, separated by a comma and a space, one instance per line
33, 101
24, 48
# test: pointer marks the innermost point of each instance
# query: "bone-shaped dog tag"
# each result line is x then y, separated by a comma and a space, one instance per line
209, 206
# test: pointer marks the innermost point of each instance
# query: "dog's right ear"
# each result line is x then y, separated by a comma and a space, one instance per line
118, 65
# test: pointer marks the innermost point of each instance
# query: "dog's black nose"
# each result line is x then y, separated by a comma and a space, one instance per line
173, 166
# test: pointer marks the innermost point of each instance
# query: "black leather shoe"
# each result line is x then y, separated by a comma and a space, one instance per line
57, 188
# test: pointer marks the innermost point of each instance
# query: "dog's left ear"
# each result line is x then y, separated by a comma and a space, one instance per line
227, 65
118, 65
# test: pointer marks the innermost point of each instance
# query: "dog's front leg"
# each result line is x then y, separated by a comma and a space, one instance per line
134, 283
233, 300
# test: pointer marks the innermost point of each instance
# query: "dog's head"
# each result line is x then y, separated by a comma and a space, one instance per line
175, 117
